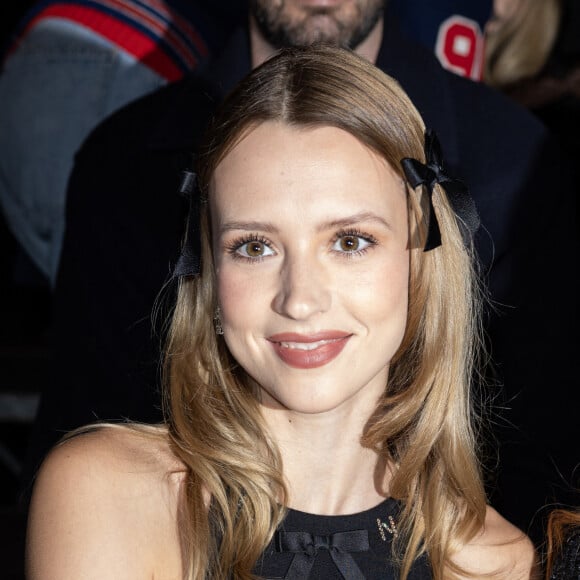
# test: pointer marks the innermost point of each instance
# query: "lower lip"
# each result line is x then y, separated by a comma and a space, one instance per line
310, 359
320, 3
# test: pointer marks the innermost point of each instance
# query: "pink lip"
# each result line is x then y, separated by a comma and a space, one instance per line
287, 347
321, 3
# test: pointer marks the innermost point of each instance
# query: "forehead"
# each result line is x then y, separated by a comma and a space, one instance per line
277, 165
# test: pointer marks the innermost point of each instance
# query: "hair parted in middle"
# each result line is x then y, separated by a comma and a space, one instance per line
424, 423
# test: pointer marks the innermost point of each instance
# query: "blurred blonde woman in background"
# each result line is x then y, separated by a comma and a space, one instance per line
519, 39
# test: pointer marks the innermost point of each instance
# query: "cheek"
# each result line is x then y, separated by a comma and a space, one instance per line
240, 296
383, 294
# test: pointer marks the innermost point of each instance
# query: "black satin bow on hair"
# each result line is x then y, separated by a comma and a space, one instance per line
189, 262
457, 192
306, 546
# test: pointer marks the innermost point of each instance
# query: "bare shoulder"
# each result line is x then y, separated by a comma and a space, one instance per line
105, 504
500, 551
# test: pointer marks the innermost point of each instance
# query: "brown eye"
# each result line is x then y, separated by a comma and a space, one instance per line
254, 249
349, 243
352, 243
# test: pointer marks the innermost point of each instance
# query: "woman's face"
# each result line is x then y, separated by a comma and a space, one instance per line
310, 236
503, 10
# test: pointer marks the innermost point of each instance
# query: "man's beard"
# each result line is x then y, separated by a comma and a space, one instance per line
318, 25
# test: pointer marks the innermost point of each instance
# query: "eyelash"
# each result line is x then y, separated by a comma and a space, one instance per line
234, 246
355, 233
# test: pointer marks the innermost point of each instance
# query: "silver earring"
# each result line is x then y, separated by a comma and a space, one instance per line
217, 320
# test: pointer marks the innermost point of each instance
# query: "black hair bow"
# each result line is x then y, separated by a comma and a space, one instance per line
189, 262
433, 172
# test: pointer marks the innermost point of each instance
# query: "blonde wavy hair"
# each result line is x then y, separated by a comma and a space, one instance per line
424, 423
520, 46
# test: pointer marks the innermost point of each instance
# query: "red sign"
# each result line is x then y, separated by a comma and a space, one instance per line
459, 46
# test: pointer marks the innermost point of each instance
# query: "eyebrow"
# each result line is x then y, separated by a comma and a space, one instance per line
363, 216
248, 226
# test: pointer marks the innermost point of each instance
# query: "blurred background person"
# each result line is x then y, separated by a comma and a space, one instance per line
452, 29
563, 545
520, 36
65, 67
532, 54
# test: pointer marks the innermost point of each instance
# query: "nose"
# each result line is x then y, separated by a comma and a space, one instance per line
304, 289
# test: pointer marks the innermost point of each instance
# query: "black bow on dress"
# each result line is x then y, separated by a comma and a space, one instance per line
306, 546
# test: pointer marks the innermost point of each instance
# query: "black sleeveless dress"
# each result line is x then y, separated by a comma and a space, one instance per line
351, 547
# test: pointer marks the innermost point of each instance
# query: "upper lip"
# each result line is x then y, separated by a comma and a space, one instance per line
315, 337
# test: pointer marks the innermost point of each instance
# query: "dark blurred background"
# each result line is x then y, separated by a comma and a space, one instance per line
24, 324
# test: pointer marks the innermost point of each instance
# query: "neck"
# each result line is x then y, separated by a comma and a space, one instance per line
262, 50
327, 471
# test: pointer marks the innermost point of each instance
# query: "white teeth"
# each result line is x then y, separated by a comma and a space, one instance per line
304, 345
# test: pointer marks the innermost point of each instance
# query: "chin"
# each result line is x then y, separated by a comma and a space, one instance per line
317, 399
